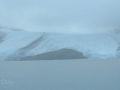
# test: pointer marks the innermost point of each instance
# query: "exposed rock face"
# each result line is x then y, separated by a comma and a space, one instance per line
2, 35
57, 55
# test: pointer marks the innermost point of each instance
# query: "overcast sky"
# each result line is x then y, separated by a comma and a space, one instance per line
60, 15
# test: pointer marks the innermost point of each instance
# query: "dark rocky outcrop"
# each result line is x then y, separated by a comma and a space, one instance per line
57, 55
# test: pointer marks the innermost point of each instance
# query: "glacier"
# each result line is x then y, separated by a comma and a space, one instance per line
15, 45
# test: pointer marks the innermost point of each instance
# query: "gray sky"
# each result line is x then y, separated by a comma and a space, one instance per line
60, 15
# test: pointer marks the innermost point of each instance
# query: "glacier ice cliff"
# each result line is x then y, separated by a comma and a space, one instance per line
16, 45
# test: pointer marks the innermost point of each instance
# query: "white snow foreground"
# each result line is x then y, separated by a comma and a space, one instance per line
17, 44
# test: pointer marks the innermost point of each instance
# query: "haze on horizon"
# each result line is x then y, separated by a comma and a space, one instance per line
68, 16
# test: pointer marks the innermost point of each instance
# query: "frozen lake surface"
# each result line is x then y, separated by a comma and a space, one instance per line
60, 75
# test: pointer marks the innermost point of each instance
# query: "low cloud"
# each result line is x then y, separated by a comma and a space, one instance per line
75, 16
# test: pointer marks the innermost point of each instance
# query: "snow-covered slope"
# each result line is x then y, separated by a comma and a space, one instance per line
17, 44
